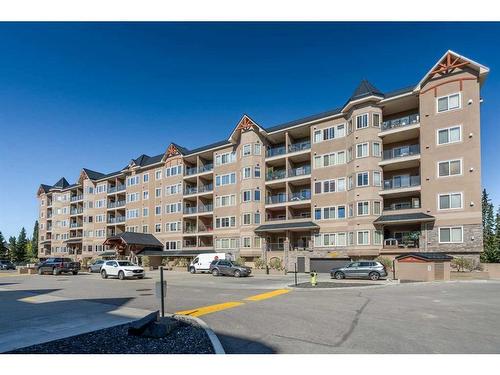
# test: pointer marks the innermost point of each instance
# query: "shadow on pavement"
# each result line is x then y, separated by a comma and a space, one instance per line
240, 345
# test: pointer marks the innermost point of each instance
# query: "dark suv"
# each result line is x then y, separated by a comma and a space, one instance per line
58, 265
226, 267
7, 265
361, 269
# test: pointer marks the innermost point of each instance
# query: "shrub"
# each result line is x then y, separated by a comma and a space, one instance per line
180, 262
260, 263
462, 264
386, 262
164, 262
276, 264
240, 261
145, 261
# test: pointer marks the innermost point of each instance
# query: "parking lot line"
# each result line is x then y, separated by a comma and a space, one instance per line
209, 309
274, 293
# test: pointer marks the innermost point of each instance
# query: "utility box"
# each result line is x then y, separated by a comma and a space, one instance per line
423, 267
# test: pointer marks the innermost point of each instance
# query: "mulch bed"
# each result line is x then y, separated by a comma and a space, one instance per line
188, 338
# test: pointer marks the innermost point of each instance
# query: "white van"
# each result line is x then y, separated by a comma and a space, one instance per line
202, 262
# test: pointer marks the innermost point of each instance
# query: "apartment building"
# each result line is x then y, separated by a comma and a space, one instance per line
384, 174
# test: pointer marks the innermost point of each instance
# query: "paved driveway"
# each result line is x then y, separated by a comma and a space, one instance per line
259, 315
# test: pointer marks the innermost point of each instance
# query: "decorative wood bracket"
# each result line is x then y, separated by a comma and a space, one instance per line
245, 124
449, 64
172, 151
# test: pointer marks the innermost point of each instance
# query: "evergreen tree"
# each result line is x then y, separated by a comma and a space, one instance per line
491, 252
4, 250
34, 240
21, 246
12, 248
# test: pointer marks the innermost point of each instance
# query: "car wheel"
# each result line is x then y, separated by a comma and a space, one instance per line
89, 269
215, 272
374, 276
237, 273
121, 275
141, 277
75, 273
104, 275
339, 275
55, 272
40, 272
192, 270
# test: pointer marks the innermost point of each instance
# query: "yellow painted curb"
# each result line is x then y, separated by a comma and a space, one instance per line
274, 293
210, 309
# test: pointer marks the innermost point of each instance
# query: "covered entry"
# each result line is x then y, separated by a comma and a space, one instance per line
324, 265
131, 244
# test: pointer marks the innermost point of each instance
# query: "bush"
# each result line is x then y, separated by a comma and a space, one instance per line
260, 263
240, 261
386, 262
164, 262
276, 264
462, 264
180, 262
145, 261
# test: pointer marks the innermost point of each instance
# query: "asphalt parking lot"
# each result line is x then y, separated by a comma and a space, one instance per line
261, 315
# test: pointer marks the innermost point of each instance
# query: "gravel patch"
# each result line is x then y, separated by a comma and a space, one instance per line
330, 284
187, 338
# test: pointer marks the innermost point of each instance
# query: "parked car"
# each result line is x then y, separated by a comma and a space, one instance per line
202, 262
226, 267
95, 266
361, 269
56, 266
7, 265
122, 269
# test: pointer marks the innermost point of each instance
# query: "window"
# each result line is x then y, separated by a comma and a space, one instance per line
363, 237
450, 168
246, 173
145, 229
377, 179
101, 188
451, 235
449, 102
318, 136
226, 158
256, 218
450, 201
377, 151
247, 219
363, 208
377, 208
327, 160
173, 189
257, 242
226, 243
362, 150
362, 121
330, 239
132, 214
362, 179
173, 171
158, 192
145, 177
225, 179
145, 195
376, 120
157, 228
341, 212
134, 180
158, 174
247, 242
257, 149
145, 212
332, 132
173, 208
378, 237
172, 245
174, 226
247, 150
158, 210
225, 200
246, 196
225, 222
256, 195
449, 135
256, 172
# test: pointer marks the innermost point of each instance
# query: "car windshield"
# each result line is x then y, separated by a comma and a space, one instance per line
125, 263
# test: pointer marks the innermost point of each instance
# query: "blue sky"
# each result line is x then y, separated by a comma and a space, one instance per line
96, 95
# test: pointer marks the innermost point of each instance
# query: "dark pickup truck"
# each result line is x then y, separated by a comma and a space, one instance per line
56, 266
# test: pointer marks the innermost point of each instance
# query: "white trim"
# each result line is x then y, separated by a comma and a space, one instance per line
357, 208
459, 93
450, 194
449, 161
367, 149
450, 228
448, 129
357, 238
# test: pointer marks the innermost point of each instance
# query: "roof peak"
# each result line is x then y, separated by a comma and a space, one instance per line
62, 183
365, 88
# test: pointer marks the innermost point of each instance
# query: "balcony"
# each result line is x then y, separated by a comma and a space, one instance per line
116, 220
402, 206
206, 208
275, 151
299, 146
76, 211
189, 171
401, 185
190, 190
206, 168
301, 171
190, 229
75, 225
76, 198
293, 197
276, 175
205, 229
206, 188
189, 210
401, 152
403, 157
116, 189
401, 122
116, 204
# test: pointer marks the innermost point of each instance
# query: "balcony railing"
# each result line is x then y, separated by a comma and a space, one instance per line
401, 182
76, 198
205, 229
401, 206
293, 197
206, 168
75, 225
401, 152
116, 204
49, 227
115, 189
116, 219
190, 230
276, 175
275, 151
190, 190
189, 210
78, 235
190, 171
401, 122
305, 215
76, 211
206, 188
301, 171
206, 208
49, 216
299, 146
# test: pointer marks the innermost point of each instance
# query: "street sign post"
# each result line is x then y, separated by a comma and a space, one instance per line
161, 291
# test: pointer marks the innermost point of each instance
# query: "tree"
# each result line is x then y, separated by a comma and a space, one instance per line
31, 255
21, 246
12, 248
4, 250
34, 239
491, 252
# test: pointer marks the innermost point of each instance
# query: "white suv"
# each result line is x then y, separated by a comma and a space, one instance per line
122, 269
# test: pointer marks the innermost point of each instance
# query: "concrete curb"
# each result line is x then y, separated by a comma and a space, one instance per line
216, 344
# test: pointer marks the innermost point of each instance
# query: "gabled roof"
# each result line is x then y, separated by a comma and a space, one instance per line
61, 184
173, 150
245, 124
43, 188
365, 89
451, 61
93, 175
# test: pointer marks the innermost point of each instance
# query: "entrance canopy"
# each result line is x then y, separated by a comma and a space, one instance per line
417, 217
132, 242
306, 225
